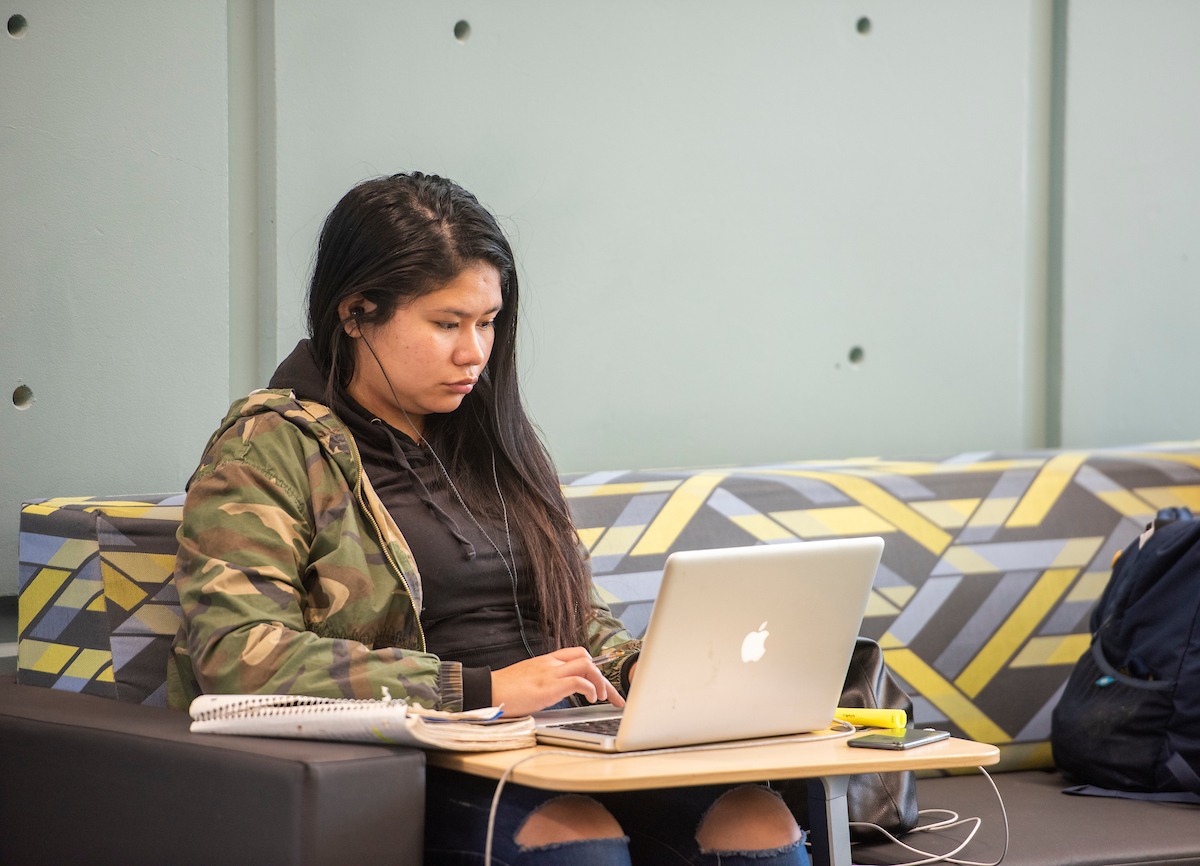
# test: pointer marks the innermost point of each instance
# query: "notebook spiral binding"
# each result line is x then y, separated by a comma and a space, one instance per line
288, 705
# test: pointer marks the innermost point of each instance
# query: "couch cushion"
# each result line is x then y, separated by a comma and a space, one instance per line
88, 780
991, 565
97, 608
1049, 828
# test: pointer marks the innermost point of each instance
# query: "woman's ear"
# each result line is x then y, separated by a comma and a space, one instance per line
351, 310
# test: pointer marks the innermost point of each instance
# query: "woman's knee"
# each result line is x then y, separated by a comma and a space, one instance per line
749, 818
570, 818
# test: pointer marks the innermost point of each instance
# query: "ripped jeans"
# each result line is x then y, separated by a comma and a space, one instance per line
660, 827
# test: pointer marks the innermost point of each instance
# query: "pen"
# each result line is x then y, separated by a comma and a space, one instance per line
606, 657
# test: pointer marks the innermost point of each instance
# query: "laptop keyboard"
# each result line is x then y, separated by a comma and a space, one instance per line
605, 727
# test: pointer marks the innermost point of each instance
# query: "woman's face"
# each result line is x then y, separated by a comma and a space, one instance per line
432, 350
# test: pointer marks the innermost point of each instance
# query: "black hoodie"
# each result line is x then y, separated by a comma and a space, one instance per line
469, 614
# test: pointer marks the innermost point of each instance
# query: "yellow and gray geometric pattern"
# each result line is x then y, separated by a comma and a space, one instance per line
991, 565
97, 608
990, 568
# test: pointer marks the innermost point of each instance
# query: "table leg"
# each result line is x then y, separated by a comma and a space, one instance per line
829, 820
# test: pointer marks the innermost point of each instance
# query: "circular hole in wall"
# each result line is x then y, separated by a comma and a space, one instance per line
23, 397
17, 26
856, 356
462, 31
863, 26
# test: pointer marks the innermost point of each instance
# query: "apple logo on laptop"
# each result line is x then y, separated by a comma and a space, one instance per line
755, 644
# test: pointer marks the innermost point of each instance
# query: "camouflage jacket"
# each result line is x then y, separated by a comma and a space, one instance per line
293, 577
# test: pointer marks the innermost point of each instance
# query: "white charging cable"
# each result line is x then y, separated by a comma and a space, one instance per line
845, 729
952, 821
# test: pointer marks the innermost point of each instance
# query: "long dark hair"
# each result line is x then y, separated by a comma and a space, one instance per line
394, 239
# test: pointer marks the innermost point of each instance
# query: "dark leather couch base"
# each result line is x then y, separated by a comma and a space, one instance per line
1050, 828
71, 765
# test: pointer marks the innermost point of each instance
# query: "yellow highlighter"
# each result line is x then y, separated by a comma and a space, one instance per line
872, 718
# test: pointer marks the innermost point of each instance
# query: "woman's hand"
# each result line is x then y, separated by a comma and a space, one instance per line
542, 681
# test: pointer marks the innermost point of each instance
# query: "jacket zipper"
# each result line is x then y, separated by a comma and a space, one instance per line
383, 542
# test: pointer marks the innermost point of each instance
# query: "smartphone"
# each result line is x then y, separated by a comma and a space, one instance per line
899, 738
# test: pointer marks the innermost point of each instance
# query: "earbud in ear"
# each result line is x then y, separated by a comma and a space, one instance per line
356, 311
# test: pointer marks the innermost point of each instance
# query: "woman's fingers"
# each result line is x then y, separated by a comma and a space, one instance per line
536, 683
569, 653
581, 665
582, 686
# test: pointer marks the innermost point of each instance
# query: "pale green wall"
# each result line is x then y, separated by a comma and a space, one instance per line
712, 203
1131, 266
114, 267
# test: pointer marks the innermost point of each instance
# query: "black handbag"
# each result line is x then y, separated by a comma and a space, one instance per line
886, 799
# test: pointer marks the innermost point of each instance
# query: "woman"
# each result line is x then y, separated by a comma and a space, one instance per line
385, 515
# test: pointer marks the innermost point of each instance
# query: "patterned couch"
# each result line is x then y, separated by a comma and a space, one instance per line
991, 565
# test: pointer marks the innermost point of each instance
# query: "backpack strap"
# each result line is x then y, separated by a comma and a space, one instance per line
1114, 674
1179, 768
1168, 797
1183, 773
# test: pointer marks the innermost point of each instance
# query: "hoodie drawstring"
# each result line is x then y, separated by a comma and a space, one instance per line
445, 519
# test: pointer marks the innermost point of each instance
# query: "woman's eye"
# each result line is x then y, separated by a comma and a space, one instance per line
489, 323
447, 326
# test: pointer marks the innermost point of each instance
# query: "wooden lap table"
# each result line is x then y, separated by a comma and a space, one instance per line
825, 763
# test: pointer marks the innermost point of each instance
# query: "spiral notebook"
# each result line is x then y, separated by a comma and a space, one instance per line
390, 720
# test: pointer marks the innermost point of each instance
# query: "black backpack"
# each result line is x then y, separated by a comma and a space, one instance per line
1128, 722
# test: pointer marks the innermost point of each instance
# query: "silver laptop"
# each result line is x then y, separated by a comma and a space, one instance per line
743, 642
